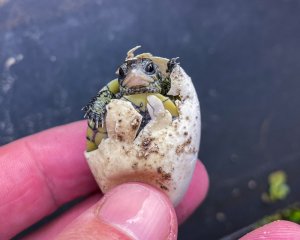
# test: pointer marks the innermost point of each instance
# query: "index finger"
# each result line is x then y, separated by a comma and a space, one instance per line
41, 172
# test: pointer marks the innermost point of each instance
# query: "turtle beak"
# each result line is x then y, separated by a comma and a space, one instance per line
136, 78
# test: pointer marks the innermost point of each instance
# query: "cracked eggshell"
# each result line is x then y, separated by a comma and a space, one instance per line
163, 154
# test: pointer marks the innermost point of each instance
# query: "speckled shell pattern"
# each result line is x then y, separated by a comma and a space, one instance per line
164, 152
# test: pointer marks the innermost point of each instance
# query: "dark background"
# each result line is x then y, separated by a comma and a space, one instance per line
244, 59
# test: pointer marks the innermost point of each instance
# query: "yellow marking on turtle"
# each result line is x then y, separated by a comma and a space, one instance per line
90, 146
113, 86
94, 137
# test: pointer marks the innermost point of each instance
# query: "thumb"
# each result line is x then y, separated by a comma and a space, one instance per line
129, 211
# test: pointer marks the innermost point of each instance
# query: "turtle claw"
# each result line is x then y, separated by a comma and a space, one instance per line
159, 115
85, 108
86, 113
95, 119
155, 107
98, 118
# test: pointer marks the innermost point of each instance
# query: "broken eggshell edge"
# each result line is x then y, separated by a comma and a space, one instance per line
163, 154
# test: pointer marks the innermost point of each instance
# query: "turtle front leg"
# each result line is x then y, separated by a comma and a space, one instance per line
95, 112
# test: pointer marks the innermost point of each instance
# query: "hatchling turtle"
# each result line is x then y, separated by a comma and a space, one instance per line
138, 78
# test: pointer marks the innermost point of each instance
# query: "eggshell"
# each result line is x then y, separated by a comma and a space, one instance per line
164, 152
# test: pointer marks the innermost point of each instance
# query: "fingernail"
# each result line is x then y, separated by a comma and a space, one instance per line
139, 211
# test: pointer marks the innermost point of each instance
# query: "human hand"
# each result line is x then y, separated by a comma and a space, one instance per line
41, 172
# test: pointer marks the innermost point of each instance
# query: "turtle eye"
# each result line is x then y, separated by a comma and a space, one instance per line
149, 68
121, 72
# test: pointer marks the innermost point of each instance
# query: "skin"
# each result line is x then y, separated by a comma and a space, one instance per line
41, 172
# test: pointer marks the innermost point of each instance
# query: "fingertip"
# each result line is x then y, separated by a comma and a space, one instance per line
195, 194
278, 230
201, 179
134, 209
142, 210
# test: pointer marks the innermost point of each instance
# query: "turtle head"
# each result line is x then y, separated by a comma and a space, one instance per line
139, 75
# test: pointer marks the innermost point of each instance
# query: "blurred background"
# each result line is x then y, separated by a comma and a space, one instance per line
244, 59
